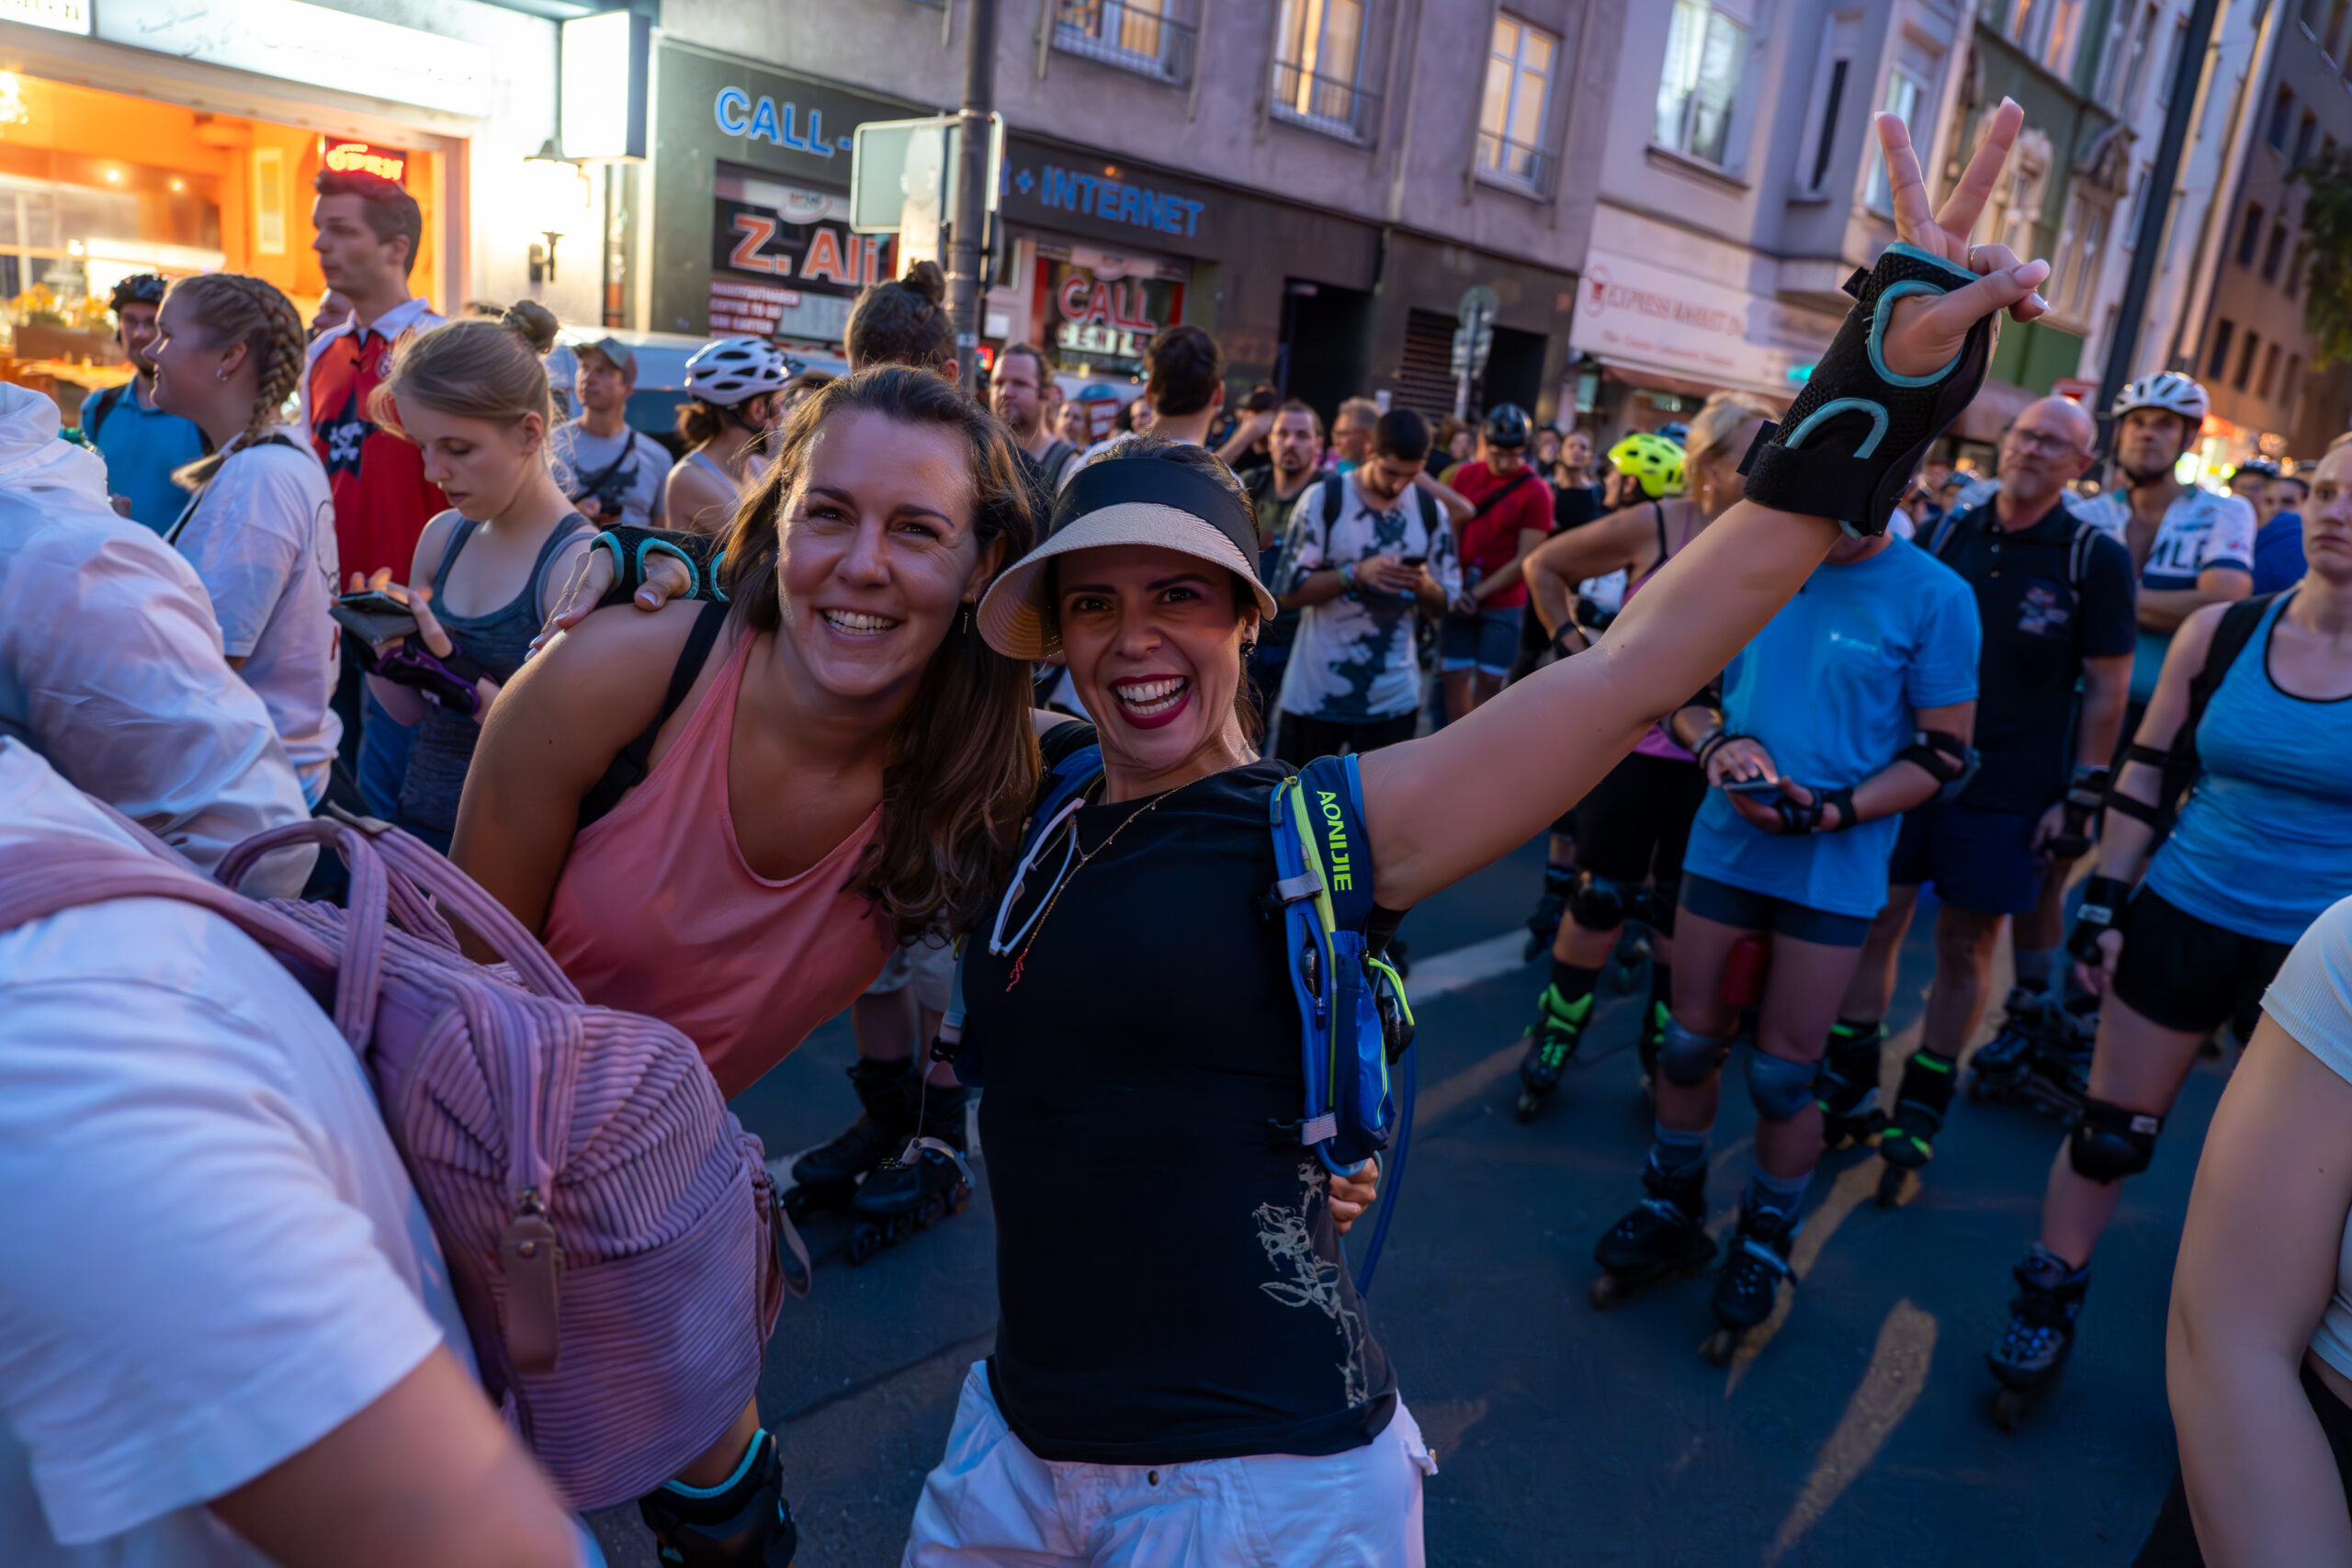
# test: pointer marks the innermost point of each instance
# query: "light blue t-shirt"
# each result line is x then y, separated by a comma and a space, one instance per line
143, 445
1830, 687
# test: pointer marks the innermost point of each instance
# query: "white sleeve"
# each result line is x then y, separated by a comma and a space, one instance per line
191, 1300
2230, 542
245, 541
118, 661
2311, 997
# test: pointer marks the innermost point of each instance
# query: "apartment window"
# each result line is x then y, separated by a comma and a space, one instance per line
2246, 351
2294, 283
2219, 360
1319, 49
2282, 114
2251, 234
2270, 372
2308, 16
2274, 252
2291, 393
2305, 134
2125, 68
1151, 38
2046, 29
2331, 41
2079, 259
1829, 139
1903, 92
1706, 50
1519, 91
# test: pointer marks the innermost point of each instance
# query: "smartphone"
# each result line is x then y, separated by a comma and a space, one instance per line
373, 617
1752, 786
1415, 561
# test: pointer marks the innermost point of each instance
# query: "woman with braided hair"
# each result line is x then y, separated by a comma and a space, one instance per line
260, 530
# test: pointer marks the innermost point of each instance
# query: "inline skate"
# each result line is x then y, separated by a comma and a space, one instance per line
1662, 1238
2040, 1333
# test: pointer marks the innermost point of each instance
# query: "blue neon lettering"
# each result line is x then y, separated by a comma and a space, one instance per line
728, 109
818, 145
790, 138
1118, 202
763, 121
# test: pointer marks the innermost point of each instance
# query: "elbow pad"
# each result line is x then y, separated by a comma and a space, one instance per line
1855, 435
1948, 759
705, 558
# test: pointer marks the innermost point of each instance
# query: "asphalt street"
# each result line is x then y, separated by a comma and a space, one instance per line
1857, 1434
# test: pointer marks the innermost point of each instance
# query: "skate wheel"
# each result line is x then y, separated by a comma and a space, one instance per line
864, 1242
1609, 1292
1530, 1102
901, 1227
2009, 1409
1896, 1185
1719, 1346
934, 1209
959, 1197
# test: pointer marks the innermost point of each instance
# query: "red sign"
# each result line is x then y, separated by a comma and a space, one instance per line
359, 158
1122, 305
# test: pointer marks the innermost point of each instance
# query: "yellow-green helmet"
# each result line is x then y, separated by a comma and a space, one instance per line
1652, 460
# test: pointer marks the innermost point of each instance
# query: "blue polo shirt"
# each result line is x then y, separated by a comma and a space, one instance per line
143, 444
1830, 686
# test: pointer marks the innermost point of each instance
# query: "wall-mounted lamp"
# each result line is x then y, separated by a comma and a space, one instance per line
543, 257
558, 190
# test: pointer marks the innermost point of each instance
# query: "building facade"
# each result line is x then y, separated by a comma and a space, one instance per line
1318, 182
144, 135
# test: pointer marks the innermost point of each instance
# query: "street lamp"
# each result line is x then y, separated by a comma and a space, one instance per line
557, 192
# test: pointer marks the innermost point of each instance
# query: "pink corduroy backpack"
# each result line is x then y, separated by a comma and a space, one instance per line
615, 1245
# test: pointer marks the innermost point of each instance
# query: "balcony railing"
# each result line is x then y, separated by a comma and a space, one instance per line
1516, 164
1134, 35
1331, 105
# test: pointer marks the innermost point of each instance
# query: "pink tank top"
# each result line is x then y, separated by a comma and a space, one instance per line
657, 912
1657, 741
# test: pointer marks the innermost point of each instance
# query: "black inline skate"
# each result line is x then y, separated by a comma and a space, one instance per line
2040, 1333
920, 1186
1662, 1238
2000, 1064
1846, 1085
827, 1176
1558, 1030
2058, 1070
1908, 1141
1749, 1285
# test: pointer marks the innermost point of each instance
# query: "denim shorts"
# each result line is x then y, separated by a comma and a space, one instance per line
1487, 641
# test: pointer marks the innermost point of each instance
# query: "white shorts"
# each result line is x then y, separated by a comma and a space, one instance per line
928, 966
990, 1503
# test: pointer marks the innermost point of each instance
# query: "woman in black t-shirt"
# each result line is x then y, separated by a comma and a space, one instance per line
1209, 1384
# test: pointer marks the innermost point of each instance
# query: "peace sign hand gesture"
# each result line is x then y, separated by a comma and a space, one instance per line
1923, 333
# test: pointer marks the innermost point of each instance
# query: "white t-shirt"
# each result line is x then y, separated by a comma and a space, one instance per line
110, 661
2312, 1000
1354, 659
635, 462
211, 1257
2201, 529
261, 535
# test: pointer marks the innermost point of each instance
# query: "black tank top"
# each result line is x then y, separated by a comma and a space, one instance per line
1153, 1041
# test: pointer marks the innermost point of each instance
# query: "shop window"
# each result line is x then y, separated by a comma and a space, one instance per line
1706, 54
2274, 252
1905, 92
1318, 54
1518, 99
2047, 30
1152, 38
2219, 359
2270, 372
2247, 351
1096, 311
2249, 234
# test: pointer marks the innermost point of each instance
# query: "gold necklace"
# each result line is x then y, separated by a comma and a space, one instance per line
1043, 915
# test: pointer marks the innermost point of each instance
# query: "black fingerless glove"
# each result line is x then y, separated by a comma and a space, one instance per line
446, 683
2103, 901
2083, 798
704, 555
1799, 819
1849, 444
1711, 744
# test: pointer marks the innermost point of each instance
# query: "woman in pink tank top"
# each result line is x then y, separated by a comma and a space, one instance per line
1630, 829
727, 816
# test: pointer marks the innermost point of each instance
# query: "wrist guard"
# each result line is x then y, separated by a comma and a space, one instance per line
1796, 818
1711, 744
1592, 615
703, 555
1856, 435
1945, 758
446, 683
2083, 796
2103, 901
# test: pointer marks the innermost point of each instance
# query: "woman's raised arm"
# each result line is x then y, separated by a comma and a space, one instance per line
1595, 550
1441, 807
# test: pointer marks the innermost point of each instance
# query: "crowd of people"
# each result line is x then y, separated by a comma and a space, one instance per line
915, 702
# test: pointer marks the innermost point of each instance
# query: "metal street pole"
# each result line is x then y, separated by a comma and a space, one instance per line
2178, 110
965, 259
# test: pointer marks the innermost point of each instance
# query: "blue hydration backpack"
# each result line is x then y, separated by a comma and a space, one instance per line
1354, 1021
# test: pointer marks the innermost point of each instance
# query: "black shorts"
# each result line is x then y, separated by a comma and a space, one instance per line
2179, 972
1636, 822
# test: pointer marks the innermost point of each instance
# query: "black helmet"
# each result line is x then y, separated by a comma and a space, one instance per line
138, 289
1506, 425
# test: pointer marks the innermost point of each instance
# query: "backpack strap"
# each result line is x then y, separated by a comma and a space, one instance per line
1335, 497
629, 769
1946, 526
2230, 639
108, 400
1330, 813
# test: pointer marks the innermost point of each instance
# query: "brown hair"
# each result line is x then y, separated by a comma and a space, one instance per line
233, 308
470, 369
1031, 352
390, 212
963, 762
903, 322
1186, 455
1296, 406
1182, 370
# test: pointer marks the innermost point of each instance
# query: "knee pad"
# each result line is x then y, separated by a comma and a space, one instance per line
1687, 1056
1663, 896
2109, 1142
1601, 904
1776, 1087
741, 1524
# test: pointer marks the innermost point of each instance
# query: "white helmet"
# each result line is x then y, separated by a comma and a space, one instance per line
2166, 390
735, 368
